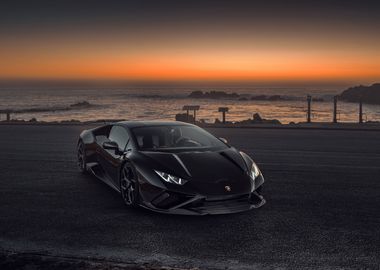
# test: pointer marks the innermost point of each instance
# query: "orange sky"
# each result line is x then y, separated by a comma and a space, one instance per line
189, 64
177, 45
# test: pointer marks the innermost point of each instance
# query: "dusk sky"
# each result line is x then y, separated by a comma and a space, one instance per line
191, 40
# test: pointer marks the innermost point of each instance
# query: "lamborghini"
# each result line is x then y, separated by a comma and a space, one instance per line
171, 167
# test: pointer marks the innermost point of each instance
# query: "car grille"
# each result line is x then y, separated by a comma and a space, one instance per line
218, 205
215, 204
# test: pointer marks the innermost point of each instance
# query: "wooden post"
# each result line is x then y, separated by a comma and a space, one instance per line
335, 120
193, 108
223, 110
360, 112
8, 116
308, 118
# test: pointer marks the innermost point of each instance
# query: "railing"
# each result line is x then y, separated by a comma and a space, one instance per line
224, 110
309, 113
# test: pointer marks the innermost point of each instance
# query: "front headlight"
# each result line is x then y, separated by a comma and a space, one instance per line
255, 172
171, 178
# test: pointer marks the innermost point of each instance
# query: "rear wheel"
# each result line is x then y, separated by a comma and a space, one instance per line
81, 158
129, 186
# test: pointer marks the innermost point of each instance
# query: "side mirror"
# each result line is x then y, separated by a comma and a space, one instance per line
111, 146
223, 140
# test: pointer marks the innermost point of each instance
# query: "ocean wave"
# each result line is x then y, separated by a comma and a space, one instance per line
157, 96
150, 96
75, 106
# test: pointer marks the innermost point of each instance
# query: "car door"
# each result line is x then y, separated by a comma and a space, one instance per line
112, 159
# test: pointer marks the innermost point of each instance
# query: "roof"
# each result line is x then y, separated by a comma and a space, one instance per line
133, 124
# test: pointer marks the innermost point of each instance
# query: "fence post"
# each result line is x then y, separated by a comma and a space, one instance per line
360, 112
308, 109
193, 108
335, 120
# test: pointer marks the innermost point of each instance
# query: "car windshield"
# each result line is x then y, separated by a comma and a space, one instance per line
175, 137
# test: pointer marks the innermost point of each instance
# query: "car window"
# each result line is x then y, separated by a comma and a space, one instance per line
175, 137
119, 135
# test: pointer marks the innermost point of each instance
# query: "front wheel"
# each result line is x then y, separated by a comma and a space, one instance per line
129, 188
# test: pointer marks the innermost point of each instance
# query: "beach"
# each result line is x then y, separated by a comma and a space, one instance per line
321, 190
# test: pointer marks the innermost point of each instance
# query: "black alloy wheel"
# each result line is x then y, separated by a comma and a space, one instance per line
129, 186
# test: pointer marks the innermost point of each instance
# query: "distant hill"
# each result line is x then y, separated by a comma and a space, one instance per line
368, 94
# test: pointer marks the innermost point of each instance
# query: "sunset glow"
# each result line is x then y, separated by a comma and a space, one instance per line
213, 47
205, 65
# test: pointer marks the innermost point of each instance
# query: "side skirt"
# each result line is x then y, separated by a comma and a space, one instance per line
99, 173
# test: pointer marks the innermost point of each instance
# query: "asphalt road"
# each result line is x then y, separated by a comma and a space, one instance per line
322, 189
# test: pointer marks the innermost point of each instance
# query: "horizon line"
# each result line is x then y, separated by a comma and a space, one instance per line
301, 82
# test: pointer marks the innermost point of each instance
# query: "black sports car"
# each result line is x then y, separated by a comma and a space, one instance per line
171, 167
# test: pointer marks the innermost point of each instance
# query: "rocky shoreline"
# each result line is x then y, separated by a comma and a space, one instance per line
81, 105
366, 94
241, 97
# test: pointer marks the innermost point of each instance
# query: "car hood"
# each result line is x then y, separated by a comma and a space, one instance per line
208, 172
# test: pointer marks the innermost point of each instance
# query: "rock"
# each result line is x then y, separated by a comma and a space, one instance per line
259, 97
196, 94
183, 117
257, 117
81, 104
368, 94
272, 98
275, 98
272, 121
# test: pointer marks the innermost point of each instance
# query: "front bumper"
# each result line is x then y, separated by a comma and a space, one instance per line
176, 203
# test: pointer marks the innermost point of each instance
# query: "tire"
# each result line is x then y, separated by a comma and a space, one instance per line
129, 188
81, 158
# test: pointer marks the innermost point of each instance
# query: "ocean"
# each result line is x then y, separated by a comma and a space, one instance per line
163, 103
